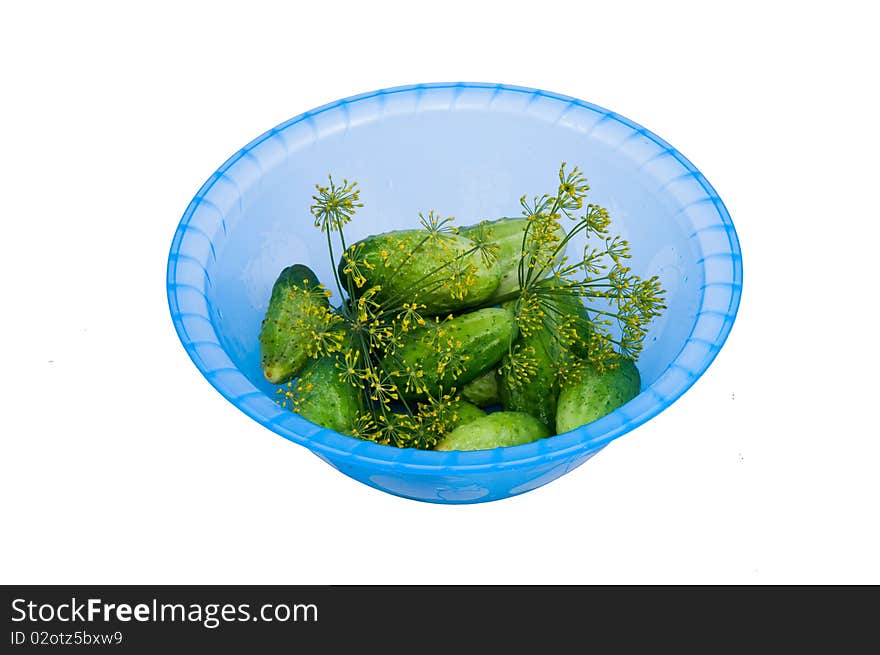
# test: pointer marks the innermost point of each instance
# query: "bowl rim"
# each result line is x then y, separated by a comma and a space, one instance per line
189, 305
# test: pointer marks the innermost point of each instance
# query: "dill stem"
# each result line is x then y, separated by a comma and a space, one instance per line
603, 312
531, 275
579, 227
522, 255
333, 268
510, 295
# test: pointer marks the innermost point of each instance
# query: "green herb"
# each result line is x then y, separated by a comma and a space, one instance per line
401, 290
611, 291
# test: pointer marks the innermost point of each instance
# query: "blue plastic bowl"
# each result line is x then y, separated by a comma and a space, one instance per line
470, 151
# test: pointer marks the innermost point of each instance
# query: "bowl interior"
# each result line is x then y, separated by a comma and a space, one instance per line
468, 151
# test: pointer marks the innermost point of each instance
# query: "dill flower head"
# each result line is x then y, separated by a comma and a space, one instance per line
542, 246
295, 395
410, 317
521, 364
349, 371
614, 305
364, 426
381, 387
403, 430
334, 205
483, 239
572, 189
439, 415
529, 313
411, 379
356, 266
435, 225
324, 328
461, 277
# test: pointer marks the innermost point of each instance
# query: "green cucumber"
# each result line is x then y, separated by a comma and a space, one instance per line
595, 394
475, 340
324, 399
463, 413
537, 396
508, 234
412, 266
282, 346
482, 391
493, 431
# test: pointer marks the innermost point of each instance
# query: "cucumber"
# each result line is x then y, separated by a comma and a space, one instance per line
282, 351
464, 412
538, 395
410, 267
595, 394
475, 340
493, 431
508, 234
324, 399
482, 391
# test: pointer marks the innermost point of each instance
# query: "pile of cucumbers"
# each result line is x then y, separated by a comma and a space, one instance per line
491, 408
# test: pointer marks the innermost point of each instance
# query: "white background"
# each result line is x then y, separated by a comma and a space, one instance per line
120, 463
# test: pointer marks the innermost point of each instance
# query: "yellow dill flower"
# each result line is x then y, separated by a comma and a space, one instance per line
325, 330
521, 364
483, 238
569, 368
355, 265
335, 205
382, 388
299, 393
410, 317
435, 225
411, 379
368, 307
572, 189
601, 351
461, 277
364, 427
452, 360
397, 429
349, 371
435, 332
439, 415
529, 313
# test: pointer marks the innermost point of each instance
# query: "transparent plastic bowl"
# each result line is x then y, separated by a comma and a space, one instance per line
470, 151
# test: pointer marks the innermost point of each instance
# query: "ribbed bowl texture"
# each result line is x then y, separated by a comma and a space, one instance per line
470, 151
